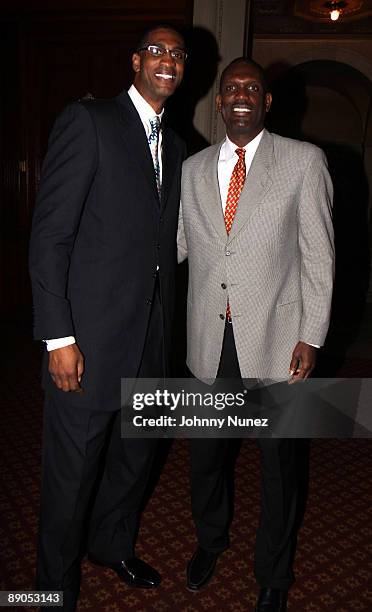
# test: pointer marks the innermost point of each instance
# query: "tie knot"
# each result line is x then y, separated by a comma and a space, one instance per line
240, 153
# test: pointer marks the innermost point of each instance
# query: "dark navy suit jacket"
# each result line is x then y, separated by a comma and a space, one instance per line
99, 232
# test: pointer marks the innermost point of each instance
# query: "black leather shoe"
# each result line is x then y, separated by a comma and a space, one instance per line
200, 568
134, 572
272, 600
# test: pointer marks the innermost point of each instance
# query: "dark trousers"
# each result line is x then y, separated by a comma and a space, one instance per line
74, 442
115, 515
275, 538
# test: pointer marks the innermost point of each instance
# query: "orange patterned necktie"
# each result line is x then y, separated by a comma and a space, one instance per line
235, 187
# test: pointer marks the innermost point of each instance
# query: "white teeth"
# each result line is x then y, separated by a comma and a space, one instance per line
164, 76
240, 109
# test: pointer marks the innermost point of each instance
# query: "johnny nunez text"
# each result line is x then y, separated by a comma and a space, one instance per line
168, 421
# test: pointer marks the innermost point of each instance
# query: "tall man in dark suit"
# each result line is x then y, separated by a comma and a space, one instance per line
102, 263
256, 227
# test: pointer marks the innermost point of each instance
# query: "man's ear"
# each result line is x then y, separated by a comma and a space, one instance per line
218, 102
268, 101
136, 62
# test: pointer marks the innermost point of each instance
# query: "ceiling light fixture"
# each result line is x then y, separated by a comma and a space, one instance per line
335, 9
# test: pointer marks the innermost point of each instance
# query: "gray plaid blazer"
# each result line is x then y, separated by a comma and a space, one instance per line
276, 266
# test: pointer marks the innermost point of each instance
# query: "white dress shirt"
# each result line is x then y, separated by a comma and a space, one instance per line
227, 160
146, 112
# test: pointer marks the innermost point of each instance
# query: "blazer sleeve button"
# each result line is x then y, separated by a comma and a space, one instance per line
222, 316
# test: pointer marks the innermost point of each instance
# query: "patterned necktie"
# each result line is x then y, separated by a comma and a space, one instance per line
154, 148
235, 187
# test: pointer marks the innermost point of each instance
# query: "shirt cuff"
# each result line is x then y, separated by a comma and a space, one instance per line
314, 345
56, 343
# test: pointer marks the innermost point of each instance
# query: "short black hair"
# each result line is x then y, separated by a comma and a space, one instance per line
143, 41
250, 62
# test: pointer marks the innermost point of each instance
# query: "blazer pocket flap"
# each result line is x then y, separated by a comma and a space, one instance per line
288, 302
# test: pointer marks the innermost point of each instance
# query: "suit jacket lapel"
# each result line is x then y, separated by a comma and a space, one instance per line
169, 162
256, 185
211, 204
134, 137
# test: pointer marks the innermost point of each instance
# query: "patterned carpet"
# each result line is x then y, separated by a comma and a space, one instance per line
334, 559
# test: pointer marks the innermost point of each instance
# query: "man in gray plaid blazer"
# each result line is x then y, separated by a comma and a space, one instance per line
261, 263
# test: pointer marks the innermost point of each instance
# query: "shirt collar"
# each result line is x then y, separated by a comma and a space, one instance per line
228, 148
143, 108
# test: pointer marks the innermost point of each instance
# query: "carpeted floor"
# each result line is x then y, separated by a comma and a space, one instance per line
334, 559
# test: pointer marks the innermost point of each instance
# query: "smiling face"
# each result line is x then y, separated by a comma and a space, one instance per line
243, 101
157, 77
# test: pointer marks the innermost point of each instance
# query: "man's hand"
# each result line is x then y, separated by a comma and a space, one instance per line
66, 367
303, 362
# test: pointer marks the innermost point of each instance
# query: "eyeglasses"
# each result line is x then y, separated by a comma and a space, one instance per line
177, 54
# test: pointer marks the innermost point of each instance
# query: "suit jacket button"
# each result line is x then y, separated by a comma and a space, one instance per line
148, 302
222, 316
227, 253
223, 285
